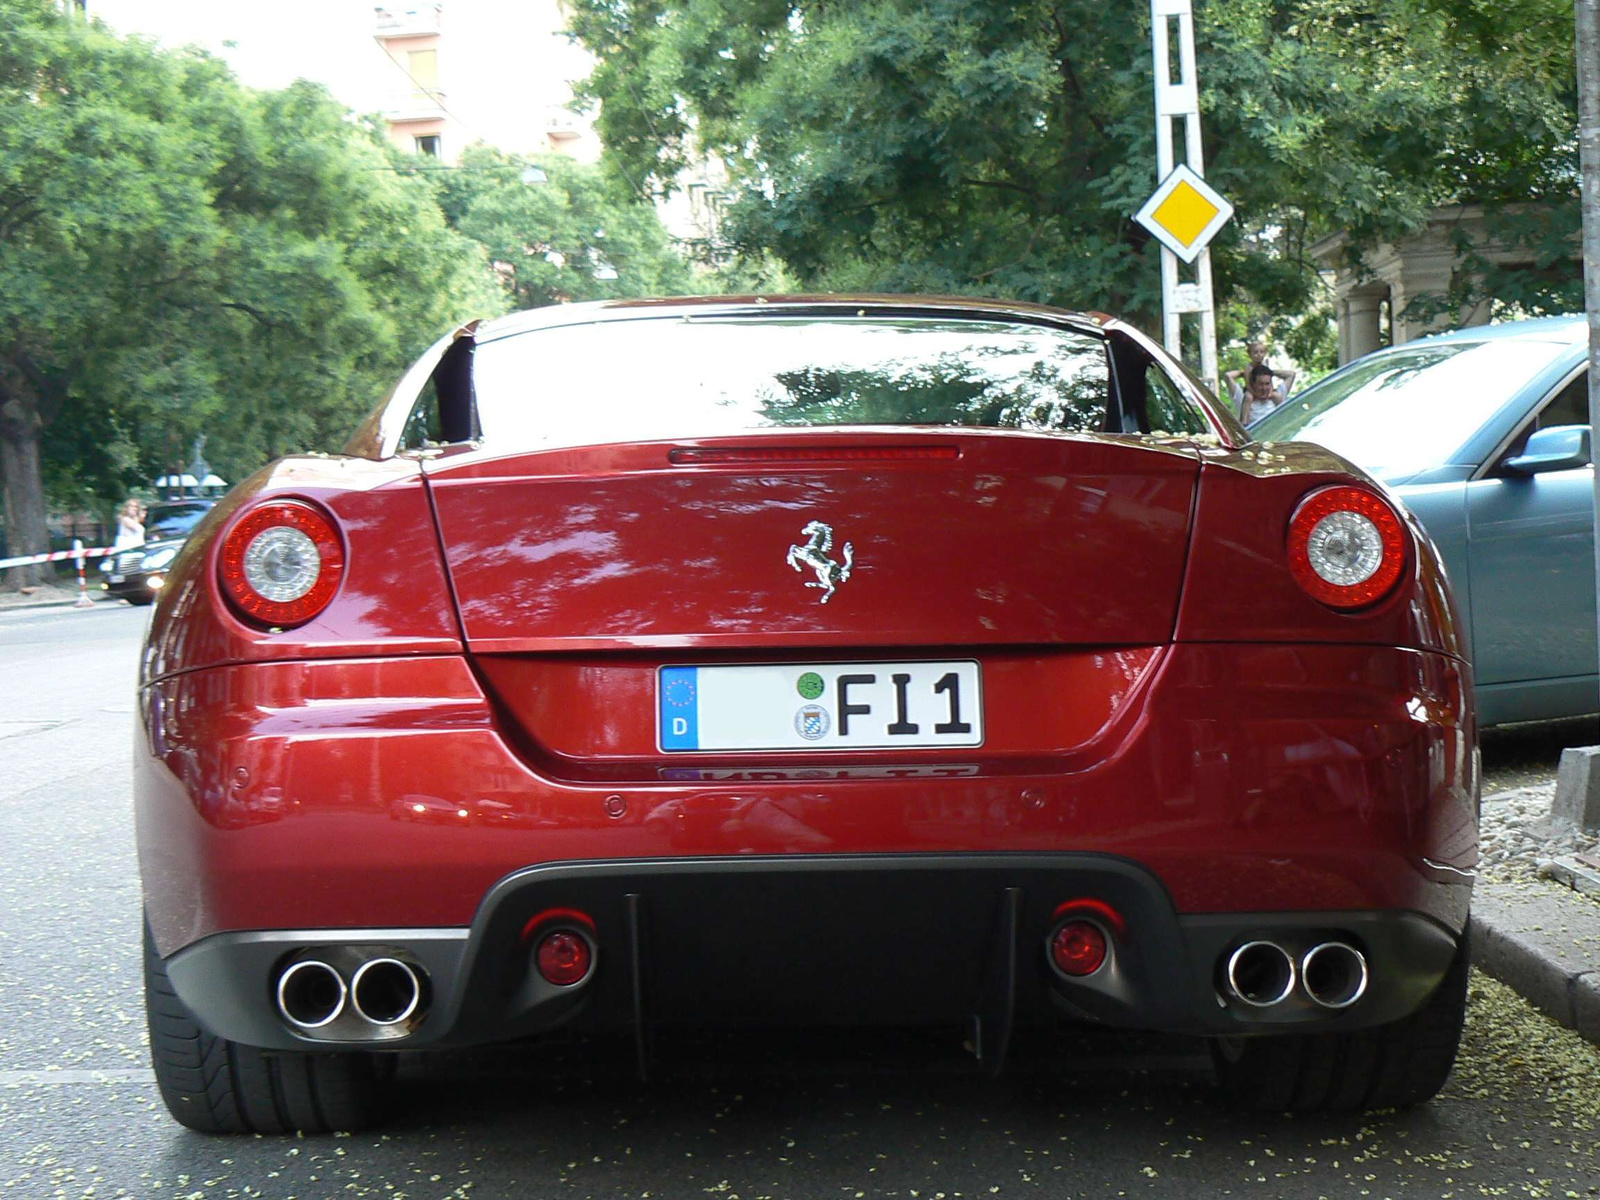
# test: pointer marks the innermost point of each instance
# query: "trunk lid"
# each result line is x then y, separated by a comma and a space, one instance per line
955, 539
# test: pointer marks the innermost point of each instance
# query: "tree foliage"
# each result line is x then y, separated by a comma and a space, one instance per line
557, 229
963, 145
181, 255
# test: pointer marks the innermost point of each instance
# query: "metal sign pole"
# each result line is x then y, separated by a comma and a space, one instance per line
1179, 98
1588, 22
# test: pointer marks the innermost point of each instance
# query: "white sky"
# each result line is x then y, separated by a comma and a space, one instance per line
502, 64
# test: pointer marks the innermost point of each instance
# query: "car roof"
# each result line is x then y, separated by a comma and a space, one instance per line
379, 433
1563, 330
556, 315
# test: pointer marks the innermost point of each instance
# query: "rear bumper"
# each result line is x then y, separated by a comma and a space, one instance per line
384, 794
931, 939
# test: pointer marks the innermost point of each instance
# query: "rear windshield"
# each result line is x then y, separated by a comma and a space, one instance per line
679, 378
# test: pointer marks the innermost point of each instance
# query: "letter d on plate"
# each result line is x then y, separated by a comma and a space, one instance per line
678, 706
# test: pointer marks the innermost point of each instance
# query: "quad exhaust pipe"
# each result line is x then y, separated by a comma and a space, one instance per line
1260, 974
384, 994
1263, 974
385, 991
311, 994
1334, 974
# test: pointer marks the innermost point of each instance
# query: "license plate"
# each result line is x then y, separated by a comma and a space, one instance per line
820, 706
814, 774
117, 578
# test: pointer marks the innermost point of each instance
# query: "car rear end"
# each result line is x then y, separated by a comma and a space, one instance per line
815, 662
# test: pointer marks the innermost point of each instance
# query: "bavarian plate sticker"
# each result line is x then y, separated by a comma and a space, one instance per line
827, 706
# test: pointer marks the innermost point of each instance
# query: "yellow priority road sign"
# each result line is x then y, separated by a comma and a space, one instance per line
1184, 213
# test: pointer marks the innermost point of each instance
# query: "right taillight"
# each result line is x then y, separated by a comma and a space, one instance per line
281, 562
1347, 547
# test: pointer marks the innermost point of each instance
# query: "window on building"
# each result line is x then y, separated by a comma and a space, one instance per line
423, 66
428, 144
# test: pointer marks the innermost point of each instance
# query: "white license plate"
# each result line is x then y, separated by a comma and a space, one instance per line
117, 578
816, 774
820, 706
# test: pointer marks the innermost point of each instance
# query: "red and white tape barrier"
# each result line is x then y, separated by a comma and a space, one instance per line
57, 556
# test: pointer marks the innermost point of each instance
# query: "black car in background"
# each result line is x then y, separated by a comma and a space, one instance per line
136, 574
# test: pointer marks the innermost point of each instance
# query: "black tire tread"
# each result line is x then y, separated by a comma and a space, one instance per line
1392, 1066
212, 1085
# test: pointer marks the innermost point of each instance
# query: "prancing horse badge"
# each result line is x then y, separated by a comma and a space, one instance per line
814, 554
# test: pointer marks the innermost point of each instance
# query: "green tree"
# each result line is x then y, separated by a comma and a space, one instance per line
557, 229
1363, 116
962, 145
336, 272
179, 255
103, 212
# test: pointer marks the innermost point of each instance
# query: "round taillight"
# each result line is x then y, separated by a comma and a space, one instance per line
1078, 948
1347, 547
281, 562
564, 957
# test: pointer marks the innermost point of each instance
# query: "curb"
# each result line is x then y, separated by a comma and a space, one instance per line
30, 605
1543, 946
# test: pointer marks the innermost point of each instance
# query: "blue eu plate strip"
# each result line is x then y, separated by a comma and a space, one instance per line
679, 703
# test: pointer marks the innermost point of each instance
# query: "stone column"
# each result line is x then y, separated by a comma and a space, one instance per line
1358, 323
1425, 276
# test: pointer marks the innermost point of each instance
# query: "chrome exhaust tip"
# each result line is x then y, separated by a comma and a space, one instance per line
385, 991
1260, 974
311, 994
1334, 974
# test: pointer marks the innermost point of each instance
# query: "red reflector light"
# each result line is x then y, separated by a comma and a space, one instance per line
1347, 547
739, 456
281, 562
564, 957
1099, 909
551, 916
1078, 948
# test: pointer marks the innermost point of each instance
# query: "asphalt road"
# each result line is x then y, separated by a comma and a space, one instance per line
79, 1114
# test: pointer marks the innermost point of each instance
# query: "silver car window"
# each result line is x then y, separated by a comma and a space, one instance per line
1401, 412
1568, 406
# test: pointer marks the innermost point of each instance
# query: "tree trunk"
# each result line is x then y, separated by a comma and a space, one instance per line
21, 477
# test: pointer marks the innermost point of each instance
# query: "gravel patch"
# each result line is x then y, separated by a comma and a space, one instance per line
1517, 834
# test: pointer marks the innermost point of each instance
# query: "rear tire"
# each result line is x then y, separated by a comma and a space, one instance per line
213, 1085
1392, 1066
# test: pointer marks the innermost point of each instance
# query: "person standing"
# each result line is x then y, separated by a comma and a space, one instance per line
1239, 380
1259, 397
130, 526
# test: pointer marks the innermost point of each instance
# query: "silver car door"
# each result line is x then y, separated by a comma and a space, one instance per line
1532, 575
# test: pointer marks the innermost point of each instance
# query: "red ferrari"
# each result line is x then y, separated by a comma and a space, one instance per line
817, 661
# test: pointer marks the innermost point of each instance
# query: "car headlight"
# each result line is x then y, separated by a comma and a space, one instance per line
157, 559
105, 565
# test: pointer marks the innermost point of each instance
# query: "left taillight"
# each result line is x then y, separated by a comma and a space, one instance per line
1347, 547
281, 562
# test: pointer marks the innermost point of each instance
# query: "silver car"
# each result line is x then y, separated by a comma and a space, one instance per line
1484, 433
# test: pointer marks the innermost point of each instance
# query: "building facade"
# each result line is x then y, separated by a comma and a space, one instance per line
1401, 290
463, 72
472, 72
